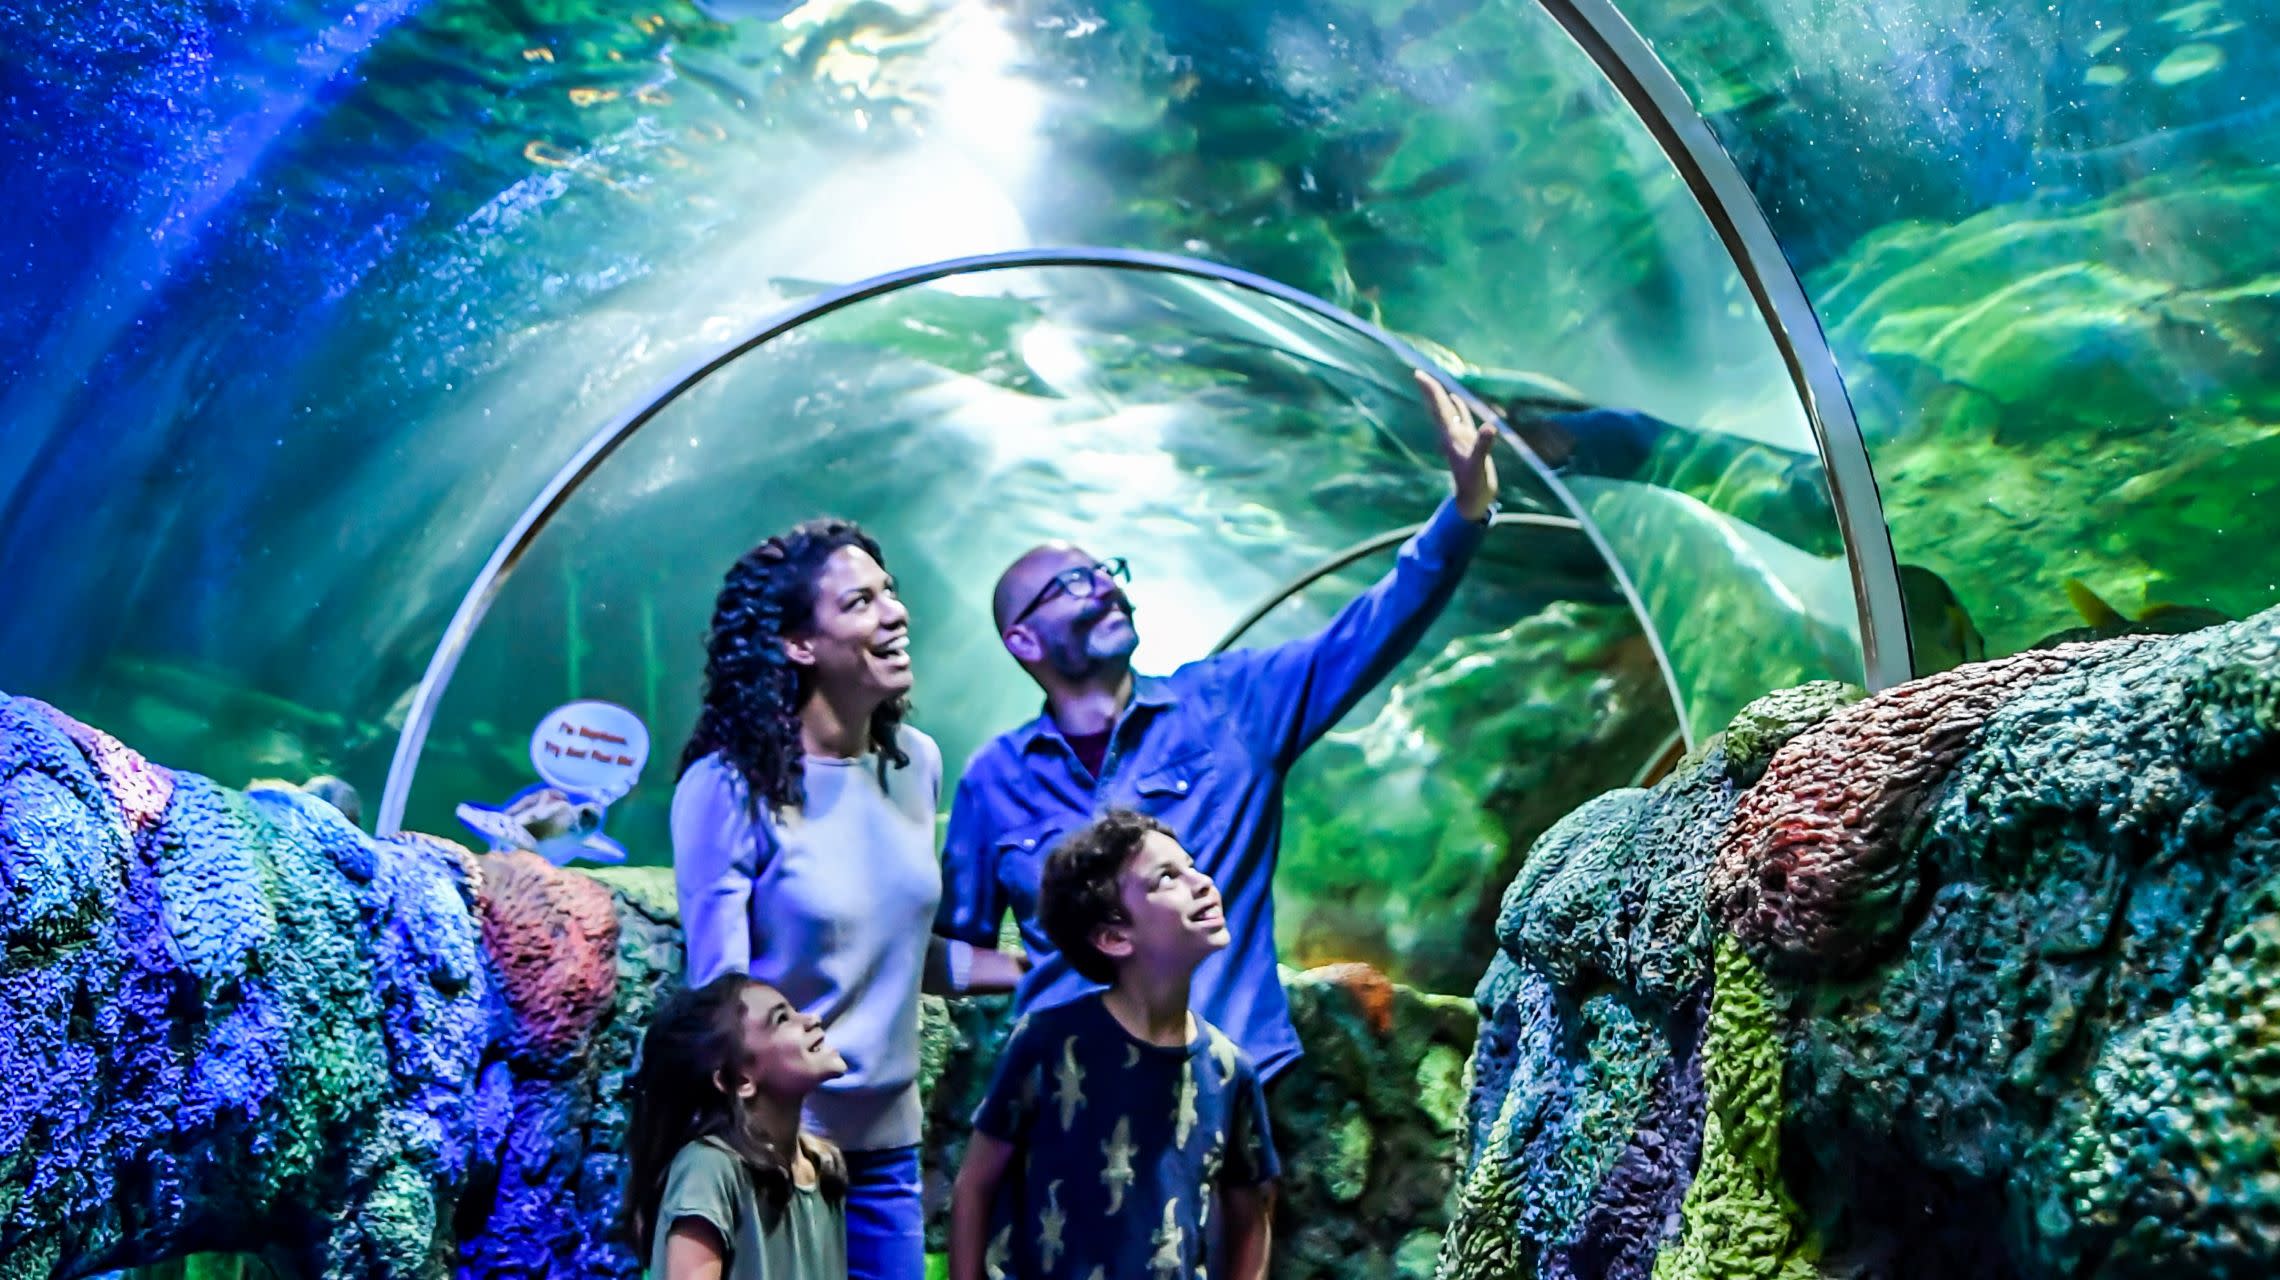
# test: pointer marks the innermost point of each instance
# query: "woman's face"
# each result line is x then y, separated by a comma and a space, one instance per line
859, 641
784, 1051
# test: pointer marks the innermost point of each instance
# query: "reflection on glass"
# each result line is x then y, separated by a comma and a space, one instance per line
1741, 611
2053, 305
1729, 535
299, 338
1535, 692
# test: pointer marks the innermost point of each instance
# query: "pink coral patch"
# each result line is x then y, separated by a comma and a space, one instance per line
142, 789
1812, 866
1372, 991
553, 937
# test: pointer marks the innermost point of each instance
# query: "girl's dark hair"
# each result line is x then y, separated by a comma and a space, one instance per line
753, 690
696, 1033
1079, 891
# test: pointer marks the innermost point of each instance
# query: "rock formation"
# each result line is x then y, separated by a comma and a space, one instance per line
234, 1024
1973, 977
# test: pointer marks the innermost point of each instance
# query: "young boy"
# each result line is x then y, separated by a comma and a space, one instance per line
1125, 1110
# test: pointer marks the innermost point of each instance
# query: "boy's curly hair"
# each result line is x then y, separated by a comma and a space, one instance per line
1080, 893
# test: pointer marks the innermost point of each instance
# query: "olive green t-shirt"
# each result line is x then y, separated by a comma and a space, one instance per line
805, 1240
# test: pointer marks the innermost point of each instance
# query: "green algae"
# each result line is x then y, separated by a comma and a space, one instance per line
1740, 1219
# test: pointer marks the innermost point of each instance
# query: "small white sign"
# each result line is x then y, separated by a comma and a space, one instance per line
595, 749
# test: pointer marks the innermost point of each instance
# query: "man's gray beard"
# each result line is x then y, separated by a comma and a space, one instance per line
1119, 650
1088, 662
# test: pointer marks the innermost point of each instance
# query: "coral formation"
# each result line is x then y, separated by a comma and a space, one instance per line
552, 940
230, 1017
240, 1026
236, 1023
1738, 1218
1814, 865
1988, 963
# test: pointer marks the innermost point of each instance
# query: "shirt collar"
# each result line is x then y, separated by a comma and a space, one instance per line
1152, 692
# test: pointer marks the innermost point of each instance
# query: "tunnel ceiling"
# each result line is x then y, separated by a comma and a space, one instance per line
348, 291
308, 301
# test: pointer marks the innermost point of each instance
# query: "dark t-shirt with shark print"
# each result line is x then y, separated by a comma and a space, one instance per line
1117, 1146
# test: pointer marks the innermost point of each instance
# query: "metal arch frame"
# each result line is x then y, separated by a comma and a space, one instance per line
1655, 96
519, 538
1661, 104
1377, 542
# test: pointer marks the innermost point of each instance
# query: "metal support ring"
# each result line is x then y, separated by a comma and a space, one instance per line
480, 594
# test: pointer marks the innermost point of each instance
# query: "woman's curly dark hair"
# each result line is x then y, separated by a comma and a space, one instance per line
753, 690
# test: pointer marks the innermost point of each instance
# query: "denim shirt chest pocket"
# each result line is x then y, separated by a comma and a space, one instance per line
1171, 785
1020, 859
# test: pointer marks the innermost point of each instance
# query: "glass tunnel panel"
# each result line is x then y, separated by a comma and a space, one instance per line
1535, 692
1222, 440
301, 337
2042, 241
1225, 442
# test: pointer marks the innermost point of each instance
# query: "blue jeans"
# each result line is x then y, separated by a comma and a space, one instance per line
886, 1229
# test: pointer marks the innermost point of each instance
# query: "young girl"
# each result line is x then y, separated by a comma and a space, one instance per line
724, 1186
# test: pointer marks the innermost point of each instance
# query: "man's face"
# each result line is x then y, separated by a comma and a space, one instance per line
1078, 635
1173, 912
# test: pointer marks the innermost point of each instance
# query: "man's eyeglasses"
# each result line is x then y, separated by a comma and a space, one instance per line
1081, 583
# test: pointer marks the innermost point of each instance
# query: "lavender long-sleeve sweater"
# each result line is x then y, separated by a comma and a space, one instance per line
831, 904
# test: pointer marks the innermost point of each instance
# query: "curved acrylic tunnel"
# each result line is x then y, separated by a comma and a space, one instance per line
309, 334
2042, 240
1220, 438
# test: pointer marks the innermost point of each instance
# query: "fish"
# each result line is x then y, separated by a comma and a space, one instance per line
2102, 621
1940, 631
2158, 617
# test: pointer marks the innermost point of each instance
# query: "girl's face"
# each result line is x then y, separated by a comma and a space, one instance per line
784, 1051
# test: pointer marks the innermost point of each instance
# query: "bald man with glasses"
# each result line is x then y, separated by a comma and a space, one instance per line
1203, 750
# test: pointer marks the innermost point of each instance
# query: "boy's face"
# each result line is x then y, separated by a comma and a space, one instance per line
1175, 915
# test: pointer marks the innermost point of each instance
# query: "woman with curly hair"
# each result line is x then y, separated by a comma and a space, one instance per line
803, 847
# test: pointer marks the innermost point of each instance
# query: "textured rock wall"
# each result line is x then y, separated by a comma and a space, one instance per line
229, 1018
235, 1025
1974, 977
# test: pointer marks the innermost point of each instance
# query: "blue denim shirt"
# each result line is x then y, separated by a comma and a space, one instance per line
1203, 750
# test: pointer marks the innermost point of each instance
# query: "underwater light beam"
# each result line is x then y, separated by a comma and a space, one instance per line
145, 252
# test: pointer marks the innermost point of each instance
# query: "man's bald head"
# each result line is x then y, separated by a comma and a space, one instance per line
1065, 638
1027, 576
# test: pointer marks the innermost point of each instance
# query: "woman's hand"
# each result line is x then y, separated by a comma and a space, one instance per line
955, 968
995, 970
